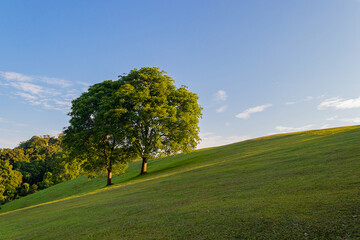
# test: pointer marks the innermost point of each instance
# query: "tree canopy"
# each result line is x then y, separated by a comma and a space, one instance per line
93, 135
9, 180
142, 114
35, 164
158, 116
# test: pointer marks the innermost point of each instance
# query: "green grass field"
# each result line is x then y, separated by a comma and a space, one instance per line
293, 186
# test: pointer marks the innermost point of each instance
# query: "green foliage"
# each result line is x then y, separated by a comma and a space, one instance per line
142, 114
47, 181
158, 116
25, 189
9, 180
92, 137
13, 155
64, 168
37, 163
34, 188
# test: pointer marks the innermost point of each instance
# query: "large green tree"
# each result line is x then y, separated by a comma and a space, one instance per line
158, 117
94, 135
141, 114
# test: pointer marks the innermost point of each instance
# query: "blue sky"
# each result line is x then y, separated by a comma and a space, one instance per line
259, 67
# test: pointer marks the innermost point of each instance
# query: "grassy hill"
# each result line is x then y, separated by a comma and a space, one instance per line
292, 186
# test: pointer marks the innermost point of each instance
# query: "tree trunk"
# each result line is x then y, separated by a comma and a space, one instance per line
109, 177
144, 165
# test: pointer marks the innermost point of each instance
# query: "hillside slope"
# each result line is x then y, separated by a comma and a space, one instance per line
290, 186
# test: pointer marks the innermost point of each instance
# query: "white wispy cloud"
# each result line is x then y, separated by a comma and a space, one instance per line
15, 76
27, 87
355, 120
332, 118
56, 81
26, 95
325, 126
339, 103
284, 129
19, 77
308, 98
209, 139
220, 95
221, 109
48, 92
246, 114
62, 103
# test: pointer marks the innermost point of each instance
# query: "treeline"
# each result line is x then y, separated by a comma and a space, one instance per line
34, 165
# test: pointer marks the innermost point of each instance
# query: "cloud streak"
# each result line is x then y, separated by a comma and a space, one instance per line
220, 95
246, 114
307, 99
19, 77
26, 96
209, 139
355, 120
48, 92
284, 129
15, 76
339, 103
221, 109
27, 87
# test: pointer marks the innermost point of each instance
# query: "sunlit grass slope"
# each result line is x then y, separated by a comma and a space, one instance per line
292, 186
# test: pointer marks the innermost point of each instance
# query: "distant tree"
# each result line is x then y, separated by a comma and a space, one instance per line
25, 189
9, 181
158, 117
13, 155
63, 167
33, 188
47, 181
94, 135
37, 163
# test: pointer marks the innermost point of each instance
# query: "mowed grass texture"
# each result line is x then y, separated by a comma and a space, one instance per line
294, 186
